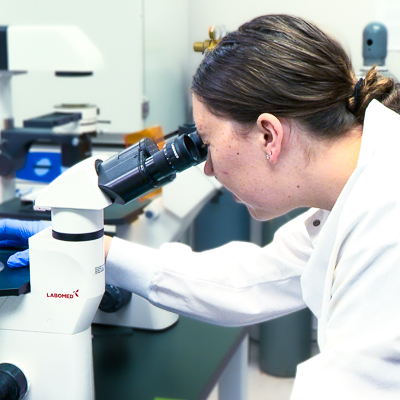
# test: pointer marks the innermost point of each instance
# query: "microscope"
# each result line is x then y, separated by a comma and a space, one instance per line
70, 128
65, 51
45, 335
45, 324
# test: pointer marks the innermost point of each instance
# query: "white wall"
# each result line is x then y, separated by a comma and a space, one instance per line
167, 51
343, 19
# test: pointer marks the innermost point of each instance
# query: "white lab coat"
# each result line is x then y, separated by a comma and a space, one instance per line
345, 267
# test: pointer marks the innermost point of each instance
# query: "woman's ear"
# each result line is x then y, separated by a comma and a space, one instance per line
271, 131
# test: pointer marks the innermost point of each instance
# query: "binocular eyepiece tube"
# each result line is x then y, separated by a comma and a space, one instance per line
143, 167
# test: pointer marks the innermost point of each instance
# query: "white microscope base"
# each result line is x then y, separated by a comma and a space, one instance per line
57, 366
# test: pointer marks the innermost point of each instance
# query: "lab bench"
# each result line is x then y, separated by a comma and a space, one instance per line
182, 362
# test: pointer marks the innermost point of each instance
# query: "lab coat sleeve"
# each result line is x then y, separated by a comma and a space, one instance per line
236, 284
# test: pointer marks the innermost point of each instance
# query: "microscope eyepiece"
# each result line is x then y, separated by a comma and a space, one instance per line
143, 167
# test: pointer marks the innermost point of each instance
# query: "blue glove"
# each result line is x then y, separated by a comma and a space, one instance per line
15, 233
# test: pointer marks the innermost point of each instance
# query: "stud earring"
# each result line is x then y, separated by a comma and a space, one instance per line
269, 156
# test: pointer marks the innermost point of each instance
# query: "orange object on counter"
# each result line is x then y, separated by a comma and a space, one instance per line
155, 133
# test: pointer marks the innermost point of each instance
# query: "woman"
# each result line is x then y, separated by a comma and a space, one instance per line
288, 125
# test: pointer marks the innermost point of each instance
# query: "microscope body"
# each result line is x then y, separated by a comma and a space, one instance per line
47, 332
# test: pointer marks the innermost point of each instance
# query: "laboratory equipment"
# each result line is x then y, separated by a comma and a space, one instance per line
374, 49
142, 167
72, 126
164, 220
46, 333
64, 50
63, 128
215, 34
375, 39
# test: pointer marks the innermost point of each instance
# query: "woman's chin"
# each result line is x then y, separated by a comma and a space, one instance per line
261, 214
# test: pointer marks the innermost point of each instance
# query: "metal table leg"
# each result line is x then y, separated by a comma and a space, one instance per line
233, 382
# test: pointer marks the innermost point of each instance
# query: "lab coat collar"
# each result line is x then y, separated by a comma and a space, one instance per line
314, 224
379, 124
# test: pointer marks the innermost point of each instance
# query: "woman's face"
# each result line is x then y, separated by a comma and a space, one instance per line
239, 163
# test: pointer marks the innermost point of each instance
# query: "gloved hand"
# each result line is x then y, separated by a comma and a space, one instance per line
14, 233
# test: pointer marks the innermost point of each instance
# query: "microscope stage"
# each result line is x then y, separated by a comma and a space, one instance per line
13, 281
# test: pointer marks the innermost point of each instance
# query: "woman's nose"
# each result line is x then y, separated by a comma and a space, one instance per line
208, 167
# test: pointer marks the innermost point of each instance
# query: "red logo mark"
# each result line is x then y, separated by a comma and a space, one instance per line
64, 295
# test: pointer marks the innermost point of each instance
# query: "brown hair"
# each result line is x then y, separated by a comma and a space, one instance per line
285, 66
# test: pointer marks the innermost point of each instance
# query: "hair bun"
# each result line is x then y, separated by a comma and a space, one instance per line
374, 86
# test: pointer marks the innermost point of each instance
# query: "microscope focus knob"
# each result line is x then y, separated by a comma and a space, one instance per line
13, 383
114, 299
